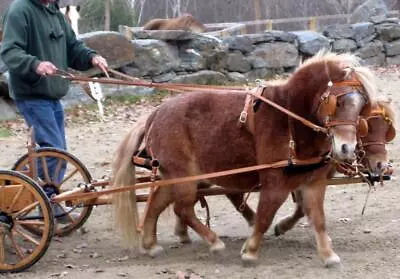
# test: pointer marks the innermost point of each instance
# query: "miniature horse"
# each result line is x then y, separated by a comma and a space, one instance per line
185, 22
372, 147
380, 131
199, 132
72, 16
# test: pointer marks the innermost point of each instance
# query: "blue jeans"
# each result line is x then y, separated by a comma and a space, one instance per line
47, 119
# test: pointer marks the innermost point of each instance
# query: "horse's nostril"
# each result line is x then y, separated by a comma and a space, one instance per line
345, 148
379, 165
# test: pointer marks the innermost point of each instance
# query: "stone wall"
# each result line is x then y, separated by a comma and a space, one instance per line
184, 57
178, 56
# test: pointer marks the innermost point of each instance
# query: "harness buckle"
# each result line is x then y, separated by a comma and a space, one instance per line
243, 117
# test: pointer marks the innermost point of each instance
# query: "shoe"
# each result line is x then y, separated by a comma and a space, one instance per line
61, 213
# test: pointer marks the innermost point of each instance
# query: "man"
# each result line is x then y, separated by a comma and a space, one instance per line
37, 41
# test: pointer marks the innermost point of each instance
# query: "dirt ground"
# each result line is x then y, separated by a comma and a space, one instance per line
368, 245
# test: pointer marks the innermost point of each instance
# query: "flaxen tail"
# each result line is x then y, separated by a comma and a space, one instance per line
123, 174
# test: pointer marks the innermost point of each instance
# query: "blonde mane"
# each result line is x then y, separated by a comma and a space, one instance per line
386, 105
350, 63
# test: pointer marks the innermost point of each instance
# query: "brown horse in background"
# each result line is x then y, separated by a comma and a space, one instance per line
185, 22
198, 133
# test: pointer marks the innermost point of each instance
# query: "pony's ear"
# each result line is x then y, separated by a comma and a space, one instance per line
78, 8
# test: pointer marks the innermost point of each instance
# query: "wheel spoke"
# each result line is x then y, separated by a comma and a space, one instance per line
58, 168
26, 209
68, 177
16, 247
15, 199
2, 253
30, 222
27, 237
45, 170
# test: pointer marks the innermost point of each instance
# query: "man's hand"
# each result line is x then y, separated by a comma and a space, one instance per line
100, 62
46, 68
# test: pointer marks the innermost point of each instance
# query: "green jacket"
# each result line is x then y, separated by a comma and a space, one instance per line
34, 33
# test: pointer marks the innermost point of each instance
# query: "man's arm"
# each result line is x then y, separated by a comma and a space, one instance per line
14, 44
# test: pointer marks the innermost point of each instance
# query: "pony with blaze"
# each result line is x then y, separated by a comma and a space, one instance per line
199, 132
185, 22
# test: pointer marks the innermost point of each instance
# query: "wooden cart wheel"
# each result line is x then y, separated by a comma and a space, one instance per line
22, 202
76, 173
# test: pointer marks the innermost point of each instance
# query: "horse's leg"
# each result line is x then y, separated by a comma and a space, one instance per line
160, 200
288, 222
237, 201
185, 199
181, 230
248, 213
313, 204
272, 195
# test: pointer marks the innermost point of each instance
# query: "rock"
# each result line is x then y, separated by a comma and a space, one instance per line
76, 95
164, 35
344, 45
362, 30
392, 48
388, 31
202, 77
242, 43
216, 61
272, 36
393, 60
154, 57
274, 55
113, 46
372, 49
164, 77
236, 77
311, 42
7, 110
191, 60
236, 62
339, 31
378, 60
369, 9
261, 73
202, 43
366, 40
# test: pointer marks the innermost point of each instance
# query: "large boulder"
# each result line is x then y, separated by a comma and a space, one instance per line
311, 42
370, 50
388, 31
154, 57
274, 55
113, 46
368, 10
164, 35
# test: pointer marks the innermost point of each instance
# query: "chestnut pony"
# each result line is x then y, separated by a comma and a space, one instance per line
373, 155
185, 22
381, 130
199, 132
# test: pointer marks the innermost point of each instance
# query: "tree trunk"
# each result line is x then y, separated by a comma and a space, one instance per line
107, 14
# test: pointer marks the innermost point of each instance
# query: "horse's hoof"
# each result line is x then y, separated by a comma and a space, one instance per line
217, 246
184, 239
153, 252
332, 261
249, 258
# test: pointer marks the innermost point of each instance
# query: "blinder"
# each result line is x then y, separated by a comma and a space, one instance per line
391, 132
328, 105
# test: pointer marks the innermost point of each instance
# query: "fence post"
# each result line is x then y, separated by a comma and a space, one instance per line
312, 23
269, 24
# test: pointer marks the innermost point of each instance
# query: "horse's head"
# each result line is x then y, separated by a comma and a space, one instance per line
340, 92
72, 16
381, 130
